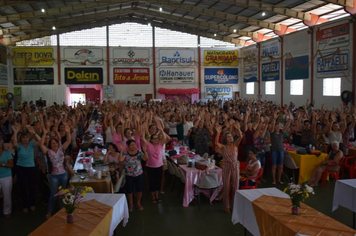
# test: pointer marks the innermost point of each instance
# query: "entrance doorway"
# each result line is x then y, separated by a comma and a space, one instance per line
83, 94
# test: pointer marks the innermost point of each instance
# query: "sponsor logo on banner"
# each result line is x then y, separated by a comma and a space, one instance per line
83, 56
3, 92
32, 56
220, 58
270, 49
131, 75
333, 37
297, 68
33, 76
221, 76
83, 75
250, 67
270, 71
333, 64
131, 56
3, 75
176, 57
171, 75
222, 91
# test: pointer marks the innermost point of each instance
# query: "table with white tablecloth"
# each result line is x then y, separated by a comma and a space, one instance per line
345, 195
243, 211
119, 204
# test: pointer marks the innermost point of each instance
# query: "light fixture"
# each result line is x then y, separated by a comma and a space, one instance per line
214, 35
149, 24
43, 10
234, 30
54, 27
263, 13
160, 9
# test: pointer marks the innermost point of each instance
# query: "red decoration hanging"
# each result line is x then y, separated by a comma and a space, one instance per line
178, 91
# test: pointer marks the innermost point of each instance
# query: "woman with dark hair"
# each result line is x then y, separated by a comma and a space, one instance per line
229, 149
252, 168
155, 162
134, 179
112, 155
25, 167
202, 137
57, 162
152, 129
6, 163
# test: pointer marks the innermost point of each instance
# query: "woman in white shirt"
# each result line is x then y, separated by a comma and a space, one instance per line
252, 169
187, 125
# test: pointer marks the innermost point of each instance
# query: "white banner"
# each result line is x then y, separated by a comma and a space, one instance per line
223, 91
128, 56
174, 75
176, 57
83, 56
271, 49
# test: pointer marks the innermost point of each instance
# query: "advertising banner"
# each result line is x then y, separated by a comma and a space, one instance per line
128, 56
250, 68
32, 56
83, 75
131, 75
33, 76
174, 75
108, 91
333, 64
83, 56
223, 91
220, 58
333, 37
297, 68
270, 71
3, 100
221, 76
271, 49
176, 57
3, 75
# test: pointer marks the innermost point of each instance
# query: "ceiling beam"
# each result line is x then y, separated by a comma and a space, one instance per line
345, 3
217, 14
58, 10
99, 16
11, 3
13, 40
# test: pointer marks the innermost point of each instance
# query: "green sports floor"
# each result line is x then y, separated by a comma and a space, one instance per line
170, 218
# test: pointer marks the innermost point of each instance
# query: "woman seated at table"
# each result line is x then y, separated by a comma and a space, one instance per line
134, 179
333, 157
112, 155
252, 168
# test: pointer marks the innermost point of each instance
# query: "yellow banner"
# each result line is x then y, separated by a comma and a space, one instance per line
220, 58
32, 56
3, 92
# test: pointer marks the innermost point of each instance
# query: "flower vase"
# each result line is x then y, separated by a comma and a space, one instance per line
70, 218
295, 210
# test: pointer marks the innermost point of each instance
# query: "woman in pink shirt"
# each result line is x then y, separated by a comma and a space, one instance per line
154, 163
112, 155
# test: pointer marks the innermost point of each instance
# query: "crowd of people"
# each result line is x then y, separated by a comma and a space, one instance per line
136, 135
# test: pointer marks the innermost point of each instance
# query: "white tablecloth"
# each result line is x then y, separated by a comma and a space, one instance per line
243, 211
119, 204
345, 194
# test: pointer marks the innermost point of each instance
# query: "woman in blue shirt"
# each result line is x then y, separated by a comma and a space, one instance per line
25, 167
6, 163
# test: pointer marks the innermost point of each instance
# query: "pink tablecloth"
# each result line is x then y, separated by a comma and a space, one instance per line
193, 176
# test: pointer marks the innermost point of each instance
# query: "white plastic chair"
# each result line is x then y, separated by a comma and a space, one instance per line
208, 181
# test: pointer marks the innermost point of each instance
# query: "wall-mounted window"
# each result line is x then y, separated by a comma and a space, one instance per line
296, 87
332, 87
270, 88
250, 88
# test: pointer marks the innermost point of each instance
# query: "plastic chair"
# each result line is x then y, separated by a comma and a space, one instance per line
291, 166
351, 167
243, 165
121, 182
333, 173
208, 181
260, 172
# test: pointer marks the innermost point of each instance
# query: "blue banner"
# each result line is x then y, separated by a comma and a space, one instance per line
297, 68
271, 71
221, 76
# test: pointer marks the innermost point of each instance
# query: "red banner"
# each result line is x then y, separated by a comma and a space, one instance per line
131, 75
